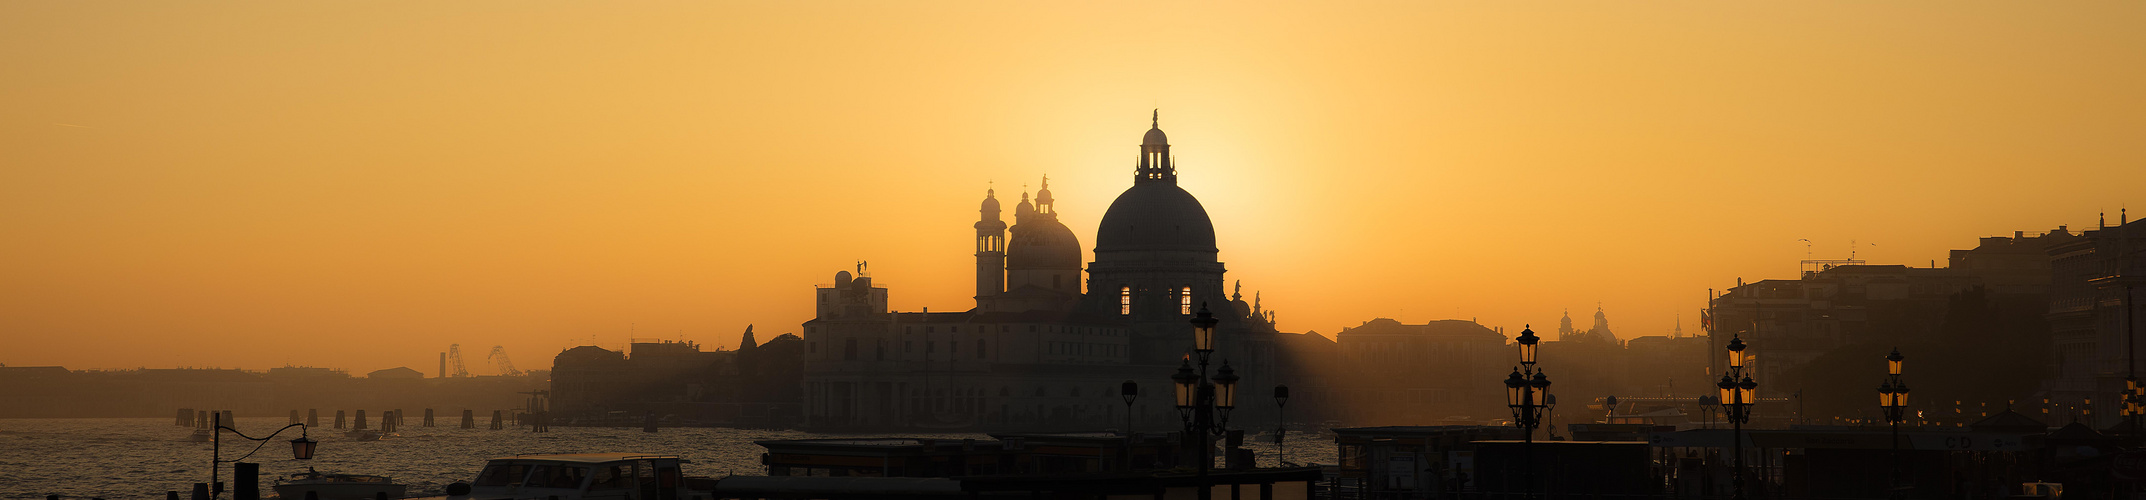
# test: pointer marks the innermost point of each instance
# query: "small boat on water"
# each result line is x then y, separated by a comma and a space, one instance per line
200, 436
313, 485
583, 476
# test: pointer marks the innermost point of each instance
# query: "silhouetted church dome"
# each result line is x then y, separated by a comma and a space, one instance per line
1043, 243
990, 201
1155, 216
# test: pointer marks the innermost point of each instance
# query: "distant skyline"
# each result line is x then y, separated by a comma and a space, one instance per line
259, 184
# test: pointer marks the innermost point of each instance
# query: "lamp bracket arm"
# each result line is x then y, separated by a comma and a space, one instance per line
271, 435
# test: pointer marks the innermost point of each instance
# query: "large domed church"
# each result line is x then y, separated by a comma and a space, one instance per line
1044, 346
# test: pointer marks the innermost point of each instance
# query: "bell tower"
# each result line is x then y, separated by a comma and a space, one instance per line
990, 250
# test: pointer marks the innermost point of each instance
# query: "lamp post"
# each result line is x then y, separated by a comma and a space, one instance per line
1281, 427
1893, 397
1204, 403
301, 448
1736, 399
1129, 391
1525, 389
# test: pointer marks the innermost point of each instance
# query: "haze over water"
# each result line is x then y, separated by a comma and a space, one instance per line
127, 458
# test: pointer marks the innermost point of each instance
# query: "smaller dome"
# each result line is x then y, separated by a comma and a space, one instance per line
1043, 244
990, 201
841, 279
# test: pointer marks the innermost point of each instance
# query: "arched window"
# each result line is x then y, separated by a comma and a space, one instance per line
1125, 300
1184, 300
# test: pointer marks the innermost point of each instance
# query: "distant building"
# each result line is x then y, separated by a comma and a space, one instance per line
1393, 372
590, 384
305, 372
1599, 332
396, 373
54, 392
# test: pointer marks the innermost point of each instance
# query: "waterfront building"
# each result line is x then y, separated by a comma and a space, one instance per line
2090, 277
749, 386
1438, 370
1791, 322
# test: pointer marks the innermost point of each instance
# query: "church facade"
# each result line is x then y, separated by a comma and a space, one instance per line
1049, 340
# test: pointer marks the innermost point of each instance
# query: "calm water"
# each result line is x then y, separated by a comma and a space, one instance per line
127, 458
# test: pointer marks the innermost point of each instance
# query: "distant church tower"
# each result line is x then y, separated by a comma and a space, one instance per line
1601, 329
1564, 327
990, 249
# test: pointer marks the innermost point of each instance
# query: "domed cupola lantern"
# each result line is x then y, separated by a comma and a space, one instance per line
1155, 162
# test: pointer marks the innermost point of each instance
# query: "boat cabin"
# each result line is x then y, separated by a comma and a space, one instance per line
582, 476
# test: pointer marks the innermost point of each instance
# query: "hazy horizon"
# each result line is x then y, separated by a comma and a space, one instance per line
357, 186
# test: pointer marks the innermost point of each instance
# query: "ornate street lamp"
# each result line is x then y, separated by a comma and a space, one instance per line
1129, 391
1204, 403
1737, 397
1225, 390
1188, 386
1527, 343
1281, 427
1526, 393
1893, 398
301, 448
1203, 334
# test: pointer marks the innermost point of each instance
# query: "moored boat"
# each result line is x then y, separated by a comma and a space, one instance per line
313, 485
584, 476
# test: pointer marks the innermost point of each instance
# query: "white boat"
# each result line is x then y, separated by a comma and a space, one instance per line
584, 476
200, 436
312, 485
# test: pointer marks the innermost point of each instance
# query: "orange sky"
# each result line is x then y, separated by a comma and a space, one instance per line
360, 184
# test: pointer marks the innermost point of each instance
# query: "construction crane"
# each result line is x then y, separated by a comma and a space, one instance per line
506, 366
454, 357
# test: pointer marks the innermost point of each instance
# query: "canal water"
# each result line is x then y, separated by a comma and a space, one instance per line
141, 458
